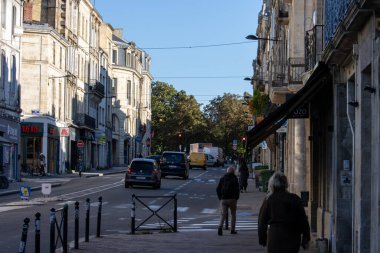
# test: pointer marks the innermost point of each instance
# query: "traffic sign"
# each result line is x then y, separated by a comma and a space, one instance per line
80, 144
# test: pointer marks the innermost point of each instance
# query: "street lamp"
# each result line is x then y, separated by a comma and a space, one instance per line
254, 37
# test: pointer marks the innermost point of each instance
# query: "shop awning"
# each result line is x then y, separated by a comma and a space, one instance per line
277, 118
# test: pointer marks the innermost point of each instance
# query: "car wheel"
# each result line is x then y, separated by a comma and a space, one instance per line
204, 167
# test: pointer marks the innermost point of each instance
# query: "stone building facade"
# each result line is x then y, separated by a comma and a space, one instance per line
322, 74
68, 50
11, 30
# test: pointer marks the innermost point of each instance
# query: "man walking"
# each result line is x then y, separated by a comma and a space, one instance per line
228, 194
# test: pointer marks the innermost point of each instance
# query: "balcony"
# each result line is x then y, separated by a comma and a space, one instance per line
84, 120
313, 46
296, 67
97, 88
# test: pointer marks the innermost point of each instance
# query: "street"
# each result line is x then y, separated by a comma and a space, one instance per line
197, 207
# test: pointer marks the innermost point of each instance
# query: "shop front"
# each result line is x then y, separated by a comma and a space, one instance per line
9, 137
33, 139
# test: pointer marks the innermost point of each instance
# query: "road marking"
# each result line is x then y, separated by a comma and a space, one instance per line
209, 211
9, 208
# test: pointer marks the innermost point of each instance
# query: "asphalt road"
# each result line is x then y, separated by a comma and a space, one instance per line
197, 207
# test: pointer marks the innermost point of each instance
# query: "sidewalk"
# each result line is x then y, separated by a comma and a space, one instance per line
34, 182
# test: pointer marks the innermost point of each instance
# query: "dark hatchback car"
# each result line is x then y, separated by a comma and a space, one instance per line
174, 163
142, 171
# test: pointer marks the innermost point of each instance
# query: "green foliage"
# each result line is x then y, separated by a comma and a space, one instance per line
259, 103
177, 119
174, 113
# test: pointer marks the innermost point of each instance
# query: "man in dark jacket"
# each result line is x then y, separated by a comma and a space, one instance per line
283, 212
228, 194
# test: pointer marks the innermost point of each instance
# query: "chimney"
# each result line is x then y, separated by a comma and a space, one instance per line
118, 32
28, 10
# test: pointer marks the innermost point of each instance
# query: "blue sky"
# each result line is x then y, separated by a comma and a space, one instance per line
186, 23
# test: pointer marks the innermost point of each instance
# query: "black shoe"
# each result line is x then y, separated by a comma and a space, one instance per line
220, 231
233, 232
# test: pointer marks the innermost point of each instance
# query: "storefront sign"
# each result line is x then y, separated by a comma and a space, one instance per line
65, 132
300, 113
53, 131
32, 129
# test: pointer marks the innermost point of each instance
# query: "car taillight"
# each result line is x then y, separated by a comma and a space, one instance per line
129, 170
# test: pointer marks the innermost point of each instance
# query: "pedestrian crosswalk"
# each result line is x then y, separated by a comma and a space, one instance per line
209, 221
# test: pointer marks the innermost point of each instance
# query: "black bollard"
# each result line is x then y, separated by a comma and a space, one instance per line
133, 215
65, 216
24, 235
99, 217
52, 230
175, 213
37, 225
76, 232
87, 234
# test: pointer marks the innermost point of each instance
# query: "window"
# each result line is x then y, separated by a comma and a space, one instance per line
3, 13
114, 56
14, 16
53, 52
4, 73
13, 76
129, 93
114, 86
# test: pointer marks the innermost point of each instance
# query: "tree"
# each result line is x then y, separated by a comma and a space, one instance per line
227, 120
176, 118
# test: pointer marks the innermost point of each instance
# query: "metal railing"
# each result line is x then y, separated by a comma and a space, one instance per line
313, 46
153, 213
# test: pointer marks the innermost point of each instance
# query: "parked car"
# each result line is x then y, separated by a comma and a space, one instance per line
211, 160
155, 157
198, 159
174, 163
142, 171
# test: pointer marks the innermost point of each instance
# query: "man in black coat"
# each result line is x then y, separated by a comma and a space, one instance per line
283, 224
228, 194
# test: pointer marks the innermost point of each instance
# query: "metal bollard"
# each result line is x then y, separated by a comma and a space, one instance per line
24, 235
65, 216
37, 240
99, 217
76, 232
87, 234
52, 230
133, 215
175, 213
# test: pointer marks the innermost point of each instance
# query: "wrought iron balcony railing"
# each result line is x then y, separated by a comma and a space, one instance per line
296, 67
85, 120
313, 46
97, 88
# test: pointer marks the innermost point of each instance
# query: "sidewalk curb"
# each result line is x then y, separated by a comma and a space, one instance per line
36, 188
